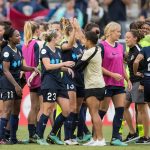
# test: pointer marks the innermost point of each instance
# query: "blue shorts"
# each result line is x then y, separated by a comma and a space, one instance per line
8, 94
147, 89
114, 90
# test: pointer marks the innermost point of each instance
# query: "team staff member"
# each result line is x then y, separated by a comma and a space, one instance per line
144, 55
12, 62
135, 95
94, 86
53, 89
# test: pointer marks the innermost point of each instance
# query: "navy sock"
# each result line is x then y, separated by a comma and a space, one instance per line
13, 126
42, 125
74, 124
102, 113
82, 128
31, 129
117, 121
68, 126
7, 134
54, 114
37, 127
58, 124
3, 124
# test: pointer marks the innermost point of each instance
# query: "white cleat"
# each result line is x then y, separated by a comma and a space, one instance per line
98, 143
89, 143
71, 142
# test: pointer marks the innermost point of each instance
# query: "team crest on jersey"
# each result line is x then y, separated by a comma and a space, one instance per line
6, 54
43, 51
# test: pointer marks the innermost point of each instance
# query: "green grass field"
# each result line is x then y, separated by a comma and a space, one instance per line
23, 134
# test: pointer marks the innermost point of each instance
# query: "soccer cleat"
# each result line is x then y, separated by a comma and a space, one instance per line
131, 137
143, 140
85, 138
32, 139
117, 142
42, 142
5, 142
98, 143
71, 142
54, 139
16, 141
89, 143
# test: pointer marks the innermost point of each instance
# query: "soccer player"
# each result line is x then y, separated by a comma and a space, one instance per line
53, 88
13, 63
114, 75
144, 55
31, 53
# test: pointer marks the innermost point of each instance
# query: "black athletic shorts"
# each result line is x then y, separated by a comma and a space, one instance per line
97, 92
37, 90
114, 90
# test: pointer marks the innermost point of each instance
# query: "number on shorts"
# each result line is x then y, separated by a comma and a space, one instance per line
10, 94
51, 96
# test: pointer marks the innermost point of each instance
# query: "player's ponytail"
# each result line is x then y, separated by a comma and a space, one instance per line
29, 29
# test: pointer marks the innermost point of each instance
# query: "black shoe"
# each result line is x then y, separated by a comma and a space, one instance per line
143, 140
131, 137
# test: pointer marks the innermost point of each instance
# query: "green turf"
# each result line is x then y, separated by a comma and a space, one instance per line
23, 134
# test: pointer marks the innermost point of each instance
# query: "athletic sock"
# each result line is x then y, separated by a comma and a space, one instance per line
14, 120
117, 122
74, 124
3, 124
42, 125
7, 134
31, 129
58, 124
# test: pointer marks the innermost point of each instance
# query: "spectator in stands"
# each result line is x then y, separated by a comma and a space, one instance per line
145, 11
3, 12
117, 12
69, 11
96, 14
27, 7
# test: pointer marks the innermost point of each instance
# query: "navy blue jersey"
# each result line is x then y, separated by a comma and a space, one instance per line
51, 79
73, 55
146, 53
15, 60
1, 71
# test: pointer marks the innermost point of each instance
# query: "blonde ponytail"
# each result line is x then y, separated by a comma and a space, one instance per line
29, 29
